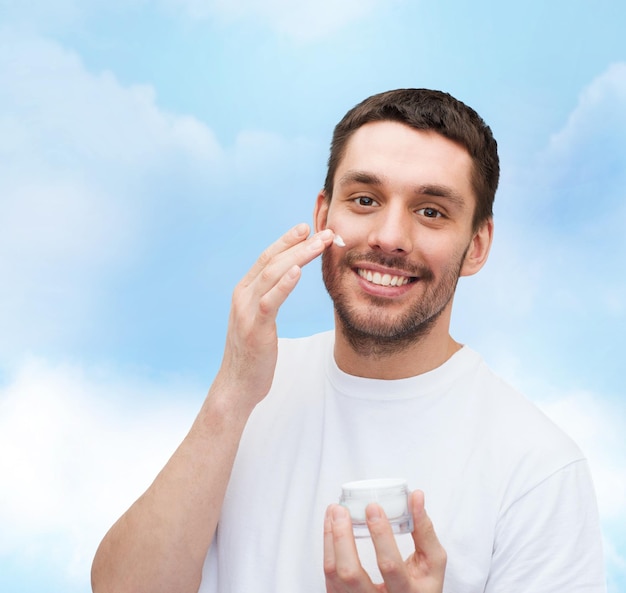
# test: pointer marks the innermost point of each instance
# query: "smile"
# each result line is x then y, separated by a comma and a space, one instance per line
383, 279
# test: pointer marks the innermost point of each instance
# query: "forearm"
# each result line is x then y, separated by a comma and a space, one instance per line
160, 543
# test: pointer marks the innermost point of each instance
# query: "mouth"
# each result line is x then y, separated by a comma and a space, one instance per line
384, 279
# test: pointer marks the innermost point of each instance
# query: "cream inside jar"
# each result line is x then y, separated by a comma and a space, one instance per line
390, 493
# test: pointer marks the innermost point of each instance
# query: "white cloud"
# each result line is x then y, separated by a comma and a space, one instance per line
87, 164
39, 14
78, 152
76, 448
305, 20
71, 115
78, 155
584, 201
559, 234
582, 170
599, 117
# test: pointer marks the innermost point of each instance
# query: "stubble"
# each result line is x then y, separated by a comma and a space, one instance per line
374, 331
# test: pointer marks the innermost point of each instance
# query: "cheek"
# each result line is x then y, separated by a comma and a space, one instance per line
352, 233
354, 229
441, 253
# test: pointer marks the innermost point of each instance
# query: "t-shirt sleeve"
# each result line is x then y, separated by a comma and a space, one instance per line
548, 540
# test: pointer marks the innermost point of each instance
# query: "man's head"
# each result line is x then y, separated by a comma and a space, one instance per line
410, 187
427, 110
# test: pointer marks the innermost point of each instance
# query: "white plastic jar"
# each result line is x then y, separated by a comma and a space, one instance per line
390, 493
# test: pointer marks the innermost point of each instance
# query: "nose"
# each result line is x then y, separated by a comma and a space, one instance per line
390, 231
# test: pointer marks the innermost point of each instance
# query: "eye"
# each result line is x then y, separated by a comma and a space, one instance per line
430, 212
365, 201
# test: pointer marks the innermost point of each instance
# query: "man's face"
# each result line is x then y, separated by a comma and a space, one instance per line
403, 203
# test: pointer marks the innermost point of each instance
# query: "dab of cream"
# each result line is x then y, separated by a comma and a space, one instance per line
339, 241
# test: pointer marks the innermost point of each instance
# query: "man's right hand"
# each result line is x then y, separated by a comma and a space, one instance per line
252, 342
160, 543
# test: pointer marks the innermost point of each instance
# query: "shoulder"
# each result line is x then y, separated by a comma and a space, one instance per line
526, 440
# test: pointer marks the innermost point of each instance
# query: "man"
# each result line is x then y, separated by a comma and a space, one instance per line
246, 502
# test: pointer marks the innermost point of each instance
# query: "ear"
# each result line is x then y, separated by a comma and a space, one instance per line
320, 212
478, 250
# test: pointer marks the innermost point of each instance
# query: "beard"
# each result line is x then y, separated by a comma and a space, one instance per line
374, 330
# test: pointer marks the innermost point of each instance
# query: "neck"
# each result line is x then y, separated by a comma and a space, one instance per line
424, 354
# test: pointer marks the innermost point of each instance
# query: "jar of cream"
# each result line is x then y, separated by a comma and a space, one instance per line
391, 494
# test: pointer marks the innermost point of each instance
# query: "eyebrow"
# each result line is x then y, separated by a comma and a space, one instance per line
360, 177
441, 191
427, 189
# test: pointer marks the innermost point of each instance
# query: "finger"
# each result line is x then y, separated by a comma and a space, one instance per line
291, 249
271, 301
345, 572
292, 237
329, 547
390, 562
427, 545
258, 299
278, 278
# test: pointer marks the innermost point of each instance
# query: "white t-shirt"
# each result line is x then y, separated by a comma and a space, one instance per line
509, 494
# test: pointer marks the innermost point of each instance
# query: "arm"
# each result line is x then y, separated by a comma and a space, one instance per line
422, 572
160, 543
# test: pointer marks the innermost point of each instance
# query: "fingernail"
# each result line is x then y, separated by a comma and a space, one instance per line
373, 513
327, 520
339, 514
301, 229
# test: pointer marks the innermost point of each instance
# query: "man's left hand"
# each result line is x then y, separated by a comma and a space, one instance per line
422, 572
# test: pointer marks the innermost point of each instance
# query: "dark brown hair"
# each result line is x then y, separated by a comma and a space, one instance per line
425, 109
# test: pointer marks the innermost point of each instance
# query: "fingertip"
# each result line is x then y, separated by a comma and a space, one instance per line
301, 229
339, 513
417, 498
326, 234
416, 506
328, 526
373, 512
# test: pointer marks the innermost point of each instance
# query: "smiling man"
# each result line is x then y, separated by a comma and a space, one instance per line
404, 203
246, 502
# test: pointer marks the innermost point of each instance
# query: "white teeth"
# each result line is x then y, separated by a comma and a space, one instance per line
383, 279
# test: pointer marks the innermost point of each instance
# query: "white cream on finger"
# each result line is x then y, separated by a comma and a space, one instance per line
339, 241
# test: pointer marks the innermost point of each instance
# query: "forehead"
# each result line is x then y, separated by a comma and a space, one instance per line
400, 155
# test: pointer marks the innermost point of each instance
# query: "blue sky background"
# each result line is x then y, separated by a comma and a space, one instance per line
150, 149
